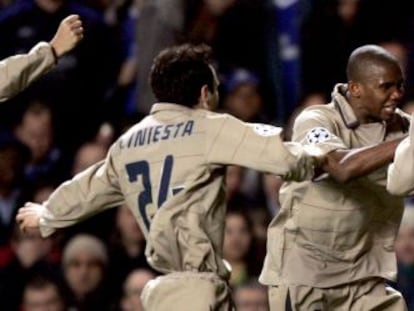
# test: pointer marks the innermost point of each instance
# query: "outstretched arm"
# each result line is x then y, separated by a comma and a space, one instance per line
17, 72
317, 127
88, 193
345, 165
260, 147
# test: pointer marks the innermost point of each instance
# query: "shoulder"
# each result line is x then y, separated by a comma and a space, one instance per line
219, 118
318, 113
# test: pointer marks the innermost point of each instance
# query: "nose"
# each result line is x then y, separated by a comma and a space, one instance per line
397, 93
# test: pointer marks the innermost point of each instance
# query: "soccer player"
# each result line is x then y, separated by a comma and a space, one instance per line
331, 246
17, 72
169, 170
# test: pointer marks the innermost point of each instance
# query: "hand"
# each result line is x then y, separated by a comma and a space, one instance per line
68, 35
28, 217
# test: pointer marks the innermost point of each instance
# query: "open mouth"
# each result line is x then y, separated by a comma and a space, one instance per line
390, 108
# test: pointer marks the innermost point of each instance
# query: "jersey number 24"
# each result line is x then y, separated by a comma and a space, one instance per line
142, 168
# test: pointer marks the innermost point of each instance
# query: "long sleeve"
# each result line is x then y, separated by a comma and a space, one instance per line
17, 72
88, 193
257, 146
400, 179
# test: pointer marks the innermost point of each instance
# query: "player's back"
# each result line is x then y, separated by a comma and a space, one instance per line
176, 196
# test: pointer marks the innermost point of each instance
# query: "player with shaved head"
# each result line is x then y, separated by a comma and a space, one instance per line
331, 246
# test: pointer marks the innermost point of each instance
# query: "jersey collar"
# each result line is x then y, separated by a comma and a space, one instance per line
341, 104
168, 106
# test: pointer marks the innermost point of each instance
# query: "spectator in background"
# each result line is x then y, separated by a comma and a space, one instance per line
251, 296
133, 286
84, 263
243, 98
88, 154
31, 255
36, 131
43, 293
404, 249
238, 247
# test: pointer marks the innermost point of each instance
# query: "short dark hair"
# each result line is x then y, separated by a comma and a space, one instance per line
179, 72
39, 280
363, 59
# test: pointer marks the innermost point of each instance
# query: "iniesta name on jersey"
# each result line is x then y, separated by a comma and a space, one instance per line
153, 134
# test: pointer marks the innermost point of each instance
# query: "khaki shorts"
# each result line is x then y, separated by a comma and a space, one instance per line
367, 295
187, 291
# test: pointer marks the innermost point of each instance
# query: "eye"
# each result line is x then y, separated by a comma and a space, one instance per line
387, 85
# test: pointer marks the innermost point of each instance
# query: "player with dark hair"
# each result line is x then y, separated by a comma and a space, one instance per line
169, 169
17, 72
331, 246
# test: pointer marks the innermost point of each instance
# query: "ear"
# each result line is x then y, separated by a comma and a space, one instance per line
204, 97
354, 89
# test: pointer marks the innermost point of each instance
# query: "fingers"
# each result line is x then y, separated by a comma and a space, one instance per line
72, 18
75, 25
28, 216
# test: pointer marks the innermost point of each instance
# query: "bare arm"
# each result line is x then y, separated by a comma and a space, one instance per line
345, 165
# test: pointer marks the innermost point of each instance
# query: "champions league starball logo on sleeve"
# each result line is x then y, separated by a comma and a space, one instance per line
266, 129
318, 135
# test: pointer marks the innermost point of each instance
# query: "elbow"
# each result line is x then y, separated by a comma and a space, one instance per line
340, 174
342, 177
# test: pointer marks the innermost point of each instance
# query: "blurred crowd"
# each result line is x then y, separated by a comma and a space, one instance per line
67, 120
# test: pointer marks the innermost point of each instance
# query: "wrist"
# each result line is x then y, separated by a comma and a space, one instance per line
54, 52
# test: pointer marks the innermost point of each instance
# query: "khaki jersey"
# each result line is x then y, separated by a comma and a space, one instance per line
400, 179
328, 233
17, 72
169, 170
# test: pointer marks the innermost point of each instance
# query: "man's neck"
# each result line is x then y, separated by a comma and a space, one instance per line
359, 110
